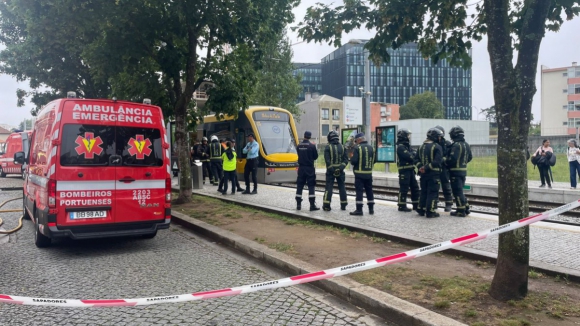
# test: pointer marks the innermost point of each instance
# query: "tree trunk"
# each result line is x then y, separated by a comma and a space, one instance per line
181, 107
513, 93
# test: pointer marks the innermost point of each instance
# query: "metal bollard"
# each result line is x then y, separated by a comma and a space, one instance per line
196, 175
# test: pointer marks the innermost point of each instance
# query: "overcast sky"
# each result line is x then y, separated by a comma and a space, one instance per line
558, 50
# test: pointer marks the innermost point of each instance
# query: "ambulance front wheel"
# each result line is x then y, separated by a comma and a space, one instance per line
149, 236
40, 240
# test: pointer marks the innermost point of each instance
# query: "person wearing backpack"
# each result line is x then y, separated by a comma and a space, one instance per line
542, 158
573, 157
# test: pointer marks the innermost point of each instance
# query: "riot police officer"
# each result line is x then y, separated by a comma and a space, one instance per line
215, 160
336, 160
429, 161
363, 160
459, 156
406, 166
203, 153
307, 155
445, 185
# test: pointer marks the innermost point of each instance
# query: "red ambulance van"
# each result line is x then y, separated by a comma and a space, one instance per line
14, 144
97, 168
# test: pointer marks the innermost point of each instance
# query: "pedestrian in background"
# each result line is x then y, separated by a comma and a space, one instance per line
573, 158
542, 157
456, 161
203, 153
251, 150
429, 161
238, 188
307, 155
336, 160
445, 183
229, 167
406, 166
215, 160
363, 160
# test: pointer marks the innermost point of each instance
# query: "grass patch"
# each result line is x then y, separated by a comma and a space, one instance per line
260, 240
514, 322
534, 275
470, 313
281, 247
442, 304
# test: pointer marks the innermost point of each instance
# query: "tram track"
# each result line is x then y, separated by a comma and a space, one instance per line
477, 203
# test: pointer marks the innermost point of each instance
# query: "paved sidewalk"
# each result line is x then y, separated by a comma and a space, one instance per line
550, 244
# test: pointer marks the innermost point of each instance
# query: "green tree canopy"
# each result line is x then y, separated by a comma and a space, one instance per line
444, 30
276, 85
425, 105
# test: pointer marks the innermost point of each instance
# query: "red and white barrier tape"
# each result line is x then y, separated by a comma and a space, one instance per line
289, 281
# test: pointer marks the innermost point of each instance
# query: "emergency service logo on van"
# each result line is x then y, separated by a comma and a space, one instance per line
89, 145
140, 147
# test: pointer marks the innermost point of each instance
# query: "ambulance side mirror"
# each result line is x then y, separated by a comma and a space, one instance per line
19, 158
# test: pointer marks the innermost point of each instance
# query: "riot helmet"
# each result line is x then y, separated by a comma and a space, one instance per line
456, 132
434, 134
332, 136
214, 137
404, 134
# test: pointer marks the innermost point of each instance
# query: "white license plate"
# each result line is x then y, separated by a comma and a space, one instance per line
88, 214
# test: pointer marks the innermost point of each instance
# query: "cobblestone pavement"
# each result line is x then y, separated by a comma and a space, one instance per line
548, 244
174, 262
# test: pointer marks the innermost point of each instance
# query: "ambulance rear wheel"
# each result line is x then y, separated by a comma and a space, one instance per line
2, 174
40, 240
149, 236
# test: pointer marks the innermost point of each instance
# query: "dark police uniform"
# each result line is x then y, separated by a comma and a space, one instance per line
307, 155
363, 160
336, 160
445, 184
429, 157
215, 159
407, 177
203, 153
459, 156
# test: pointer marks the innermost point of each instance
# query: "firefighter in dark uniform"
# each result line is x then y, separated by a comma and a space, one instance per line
336, 160
203, 153
406, 166
215, 160
429, 162
459, 156
445, 185
307, 155
362, 161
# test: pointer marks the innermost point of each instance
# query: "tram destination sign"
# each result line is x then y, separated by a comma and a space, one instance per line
271, 116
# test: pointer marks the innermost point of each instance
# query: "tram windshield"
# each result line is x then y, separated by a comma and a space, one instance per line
275, 132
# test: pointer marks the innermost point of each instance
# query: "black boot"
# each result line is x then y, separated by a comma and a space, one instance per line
343, 207
326, 207
432, 215
458, 213
448, 207
415, 207
421, 212
404, 209
247, 191
467, 210
255, 192
298, 204
358, 211
371, 209
313, 206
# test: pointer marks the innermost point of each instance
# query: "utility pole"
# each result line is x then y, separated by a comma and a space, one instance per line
367, 94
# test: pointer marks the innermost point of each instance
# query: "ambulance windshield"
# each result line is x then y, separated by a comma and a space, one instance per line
275, 132
94, 145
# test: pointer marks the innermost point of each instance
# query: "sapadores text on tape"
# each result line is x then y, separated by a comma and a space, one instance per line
294, 280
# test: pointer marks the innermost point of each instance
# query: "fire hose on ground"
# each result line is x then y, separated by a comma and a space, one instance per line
11, 211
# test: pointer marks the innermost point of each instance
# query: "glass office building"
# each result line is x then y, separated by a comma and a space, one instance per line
311, 78
407, 73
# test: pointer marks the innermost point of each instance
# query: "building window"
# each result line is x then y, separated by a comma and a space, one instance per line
335, 114
325, 115
325, 130
565, 74
565, 107
564, 91
565, 123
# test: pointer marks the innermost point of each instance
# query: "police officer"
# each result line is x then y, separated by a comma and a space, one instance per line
459, 156
445, 185
336, 160
215, 159
429, 161
307, 155
406, 165
203, 153
362, 161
